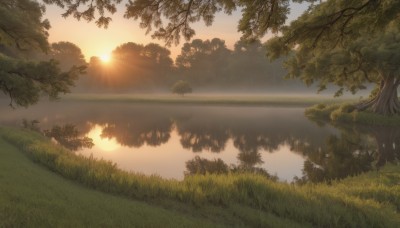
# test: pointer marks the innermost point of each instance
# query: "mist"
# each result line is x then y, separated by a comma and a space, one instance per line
208, 66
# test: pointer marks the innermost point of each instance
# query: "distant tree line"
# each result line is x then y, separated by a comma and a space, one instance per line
204, 64
209, 63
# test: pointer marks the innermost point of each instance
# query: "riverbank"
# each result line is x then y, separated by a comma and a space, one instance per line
211, 99
368, 200
345, 113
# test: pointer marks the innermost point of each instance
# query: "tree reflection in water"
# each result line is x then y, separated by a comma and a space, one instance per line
331, 152
69, 137
357, 149
139, 132
202, 166
199, 136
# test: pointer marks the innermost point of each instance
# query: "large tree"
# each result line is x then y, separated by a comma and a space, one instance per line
349, 44
22, 29
344, 42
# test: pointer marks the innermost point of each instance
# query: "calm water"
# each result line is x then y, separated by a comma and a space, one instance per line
163, 139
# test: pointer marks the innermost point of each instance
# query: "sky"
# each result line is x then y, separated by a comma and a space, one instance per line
95, 41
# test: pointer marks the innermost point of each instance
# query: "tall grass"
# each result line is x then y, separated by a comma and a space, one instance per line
350, 203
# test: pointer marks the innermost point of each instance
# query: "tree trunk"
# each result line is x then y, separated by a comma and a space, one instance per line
386, 101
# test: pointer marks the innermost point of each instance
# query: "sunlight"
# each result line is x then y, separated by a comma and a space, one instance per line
105, 58
104, 144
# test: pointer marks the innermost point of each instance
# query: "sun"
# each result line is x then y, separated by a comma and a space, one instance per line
105, 58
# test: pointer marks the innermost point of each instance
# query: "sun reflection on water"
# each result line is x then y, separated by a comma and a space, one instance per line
102, 143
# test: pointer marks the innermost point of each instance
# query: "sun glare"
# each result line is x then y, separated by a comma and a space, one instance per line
105, 58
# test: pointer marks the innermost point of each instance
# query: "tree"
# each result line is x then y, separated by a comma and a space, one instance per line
248, 66
344, 42
22, 29
135, 66
67, 54
201, 61
181, 87
349, 44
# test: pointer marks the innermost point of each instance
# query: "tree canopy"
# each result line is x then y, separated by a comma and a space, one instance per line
22, 30
349, 44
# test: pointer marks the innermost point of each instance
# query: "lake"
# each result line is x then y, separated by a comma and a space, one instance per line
176, 140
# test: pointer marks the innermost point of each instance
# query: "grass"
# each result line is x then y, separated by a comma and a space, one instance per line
369, 200
211, 99
344, 112
31, 196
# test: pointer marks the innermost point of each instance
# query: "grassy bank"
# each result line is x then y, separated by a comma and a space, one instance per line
31, 196
203, 99
370, 200
345, 113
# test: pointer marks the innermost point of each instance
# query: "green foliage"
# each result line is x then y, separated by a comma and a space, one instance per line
25, 81
258, 17
180, 14
348, 44
181, 87
22, 29
67, 54
22, 26
370, 200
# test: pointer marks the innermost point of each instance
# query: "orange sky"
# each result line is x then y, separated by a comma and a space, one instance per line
96, 41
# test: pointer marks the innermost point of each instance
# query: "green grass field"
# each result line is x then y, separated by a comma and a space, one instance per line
57, 190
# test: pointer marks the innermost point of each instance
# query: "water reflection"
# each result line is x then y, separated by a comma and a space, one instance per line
102, 142
173, 140
355, 150
68, 136
218, 166
202, 134
139, 131
203, 166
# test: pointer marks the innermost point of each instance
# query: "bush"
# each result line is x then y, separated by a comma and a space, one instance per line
181, 87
